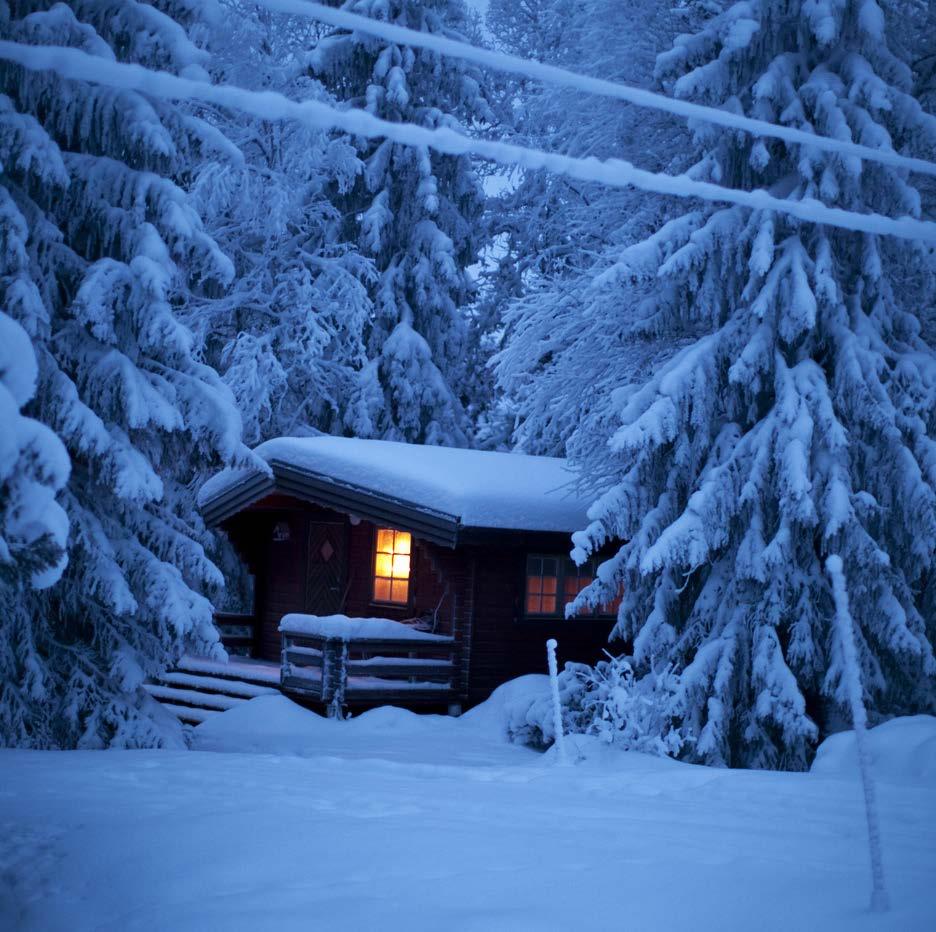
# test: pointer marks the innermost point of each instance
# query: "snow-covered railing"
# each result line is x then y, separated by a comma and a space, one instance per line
338, 661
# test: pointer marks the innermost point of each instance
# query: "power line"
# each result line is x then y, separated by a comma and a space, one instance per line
551, 74
269, 105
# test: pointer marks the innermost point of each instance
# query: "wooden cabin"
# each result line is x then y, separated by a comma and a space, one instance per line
466, 549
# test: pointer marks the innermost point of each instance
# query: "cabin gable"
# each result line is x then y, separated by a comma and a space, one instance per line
327, 492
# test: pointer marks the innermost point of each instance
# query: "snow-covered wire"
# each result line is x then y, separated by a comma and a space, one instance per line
561, 77
270, 105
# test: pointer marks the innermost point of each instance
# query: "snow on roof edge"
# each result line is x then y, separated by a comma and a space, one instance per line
475, 488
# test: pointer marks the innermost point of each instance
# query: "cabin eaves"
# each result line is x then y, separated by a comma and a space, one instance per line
482, 494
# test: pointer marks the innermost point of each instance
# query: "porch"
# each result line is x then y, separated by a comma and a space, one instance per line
330, 664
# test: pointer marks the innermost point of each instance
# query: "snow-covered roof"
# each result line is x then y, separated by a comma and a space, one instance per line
467, 488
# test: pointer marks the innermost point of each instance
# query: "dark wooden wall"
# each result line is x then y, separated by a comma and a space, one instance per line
504, 643
280, 569
474, 592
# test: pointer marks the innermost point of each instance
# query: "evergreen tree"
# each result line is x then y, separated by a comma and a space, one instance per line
798, 418
288, 335
108, 248
415, 212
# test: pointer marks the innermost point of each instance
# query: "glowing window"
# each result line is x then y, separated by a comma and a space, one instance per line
392, 566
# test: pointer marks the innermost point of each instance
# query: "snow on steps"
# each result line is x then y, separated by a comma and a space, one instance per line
199, 688
193, 697
187, 715
231, 687
239, 668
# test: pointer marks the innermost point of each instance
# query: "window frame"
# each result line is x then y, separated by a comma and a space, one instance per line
556, 593
559, 614
389, 603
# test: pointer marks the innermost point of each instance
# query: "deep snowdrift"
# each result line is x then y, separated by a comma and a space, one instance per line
275, 725
901, 749
397, 821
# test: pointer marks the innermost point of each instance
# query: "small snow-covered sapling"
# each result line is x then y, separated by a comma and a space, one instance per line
851, 676
551, 646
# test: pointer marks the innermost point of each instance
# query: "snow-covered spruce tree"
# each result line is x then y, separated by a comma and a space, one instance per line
798, 420
415, 212
288, 336
105, 247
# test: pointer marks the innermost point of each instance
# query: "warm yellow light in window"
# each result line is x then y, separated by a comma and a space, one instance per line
392, 566
384, 565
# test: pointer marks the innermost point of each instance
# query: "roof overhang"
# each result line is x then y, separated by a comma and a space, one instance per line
320, 489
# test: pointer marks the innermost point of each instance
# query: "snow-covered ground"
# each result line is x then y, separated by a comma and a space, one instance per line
395, 821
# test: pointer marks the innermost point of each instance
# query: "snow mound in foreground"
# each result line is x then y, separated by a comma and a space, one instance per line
903, 749
510, 711
277, 725
272, 724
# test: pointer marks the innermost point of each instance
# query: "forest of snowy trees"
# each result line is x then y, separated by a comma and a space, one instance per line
745, 388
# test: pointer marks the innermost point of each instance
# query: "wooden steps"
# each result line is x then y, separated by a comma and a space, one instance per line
228, 686
244, 669
199, 688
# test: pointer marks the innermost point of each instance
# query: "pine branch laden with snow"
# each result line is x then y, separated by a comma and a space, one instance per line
33, 526
548, 311
101, 246
289, 335
797, 417
415, 213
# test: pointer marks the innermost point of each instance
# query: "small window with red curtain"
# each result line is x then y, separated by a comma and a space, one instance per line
553, 581
542, 585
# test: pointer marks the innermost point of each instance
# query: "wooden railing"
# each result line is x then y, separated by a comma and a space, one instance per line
340, 671
239, 633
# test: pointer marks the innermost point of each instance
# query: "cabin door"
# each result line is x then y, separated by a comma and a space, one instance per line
327, 567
